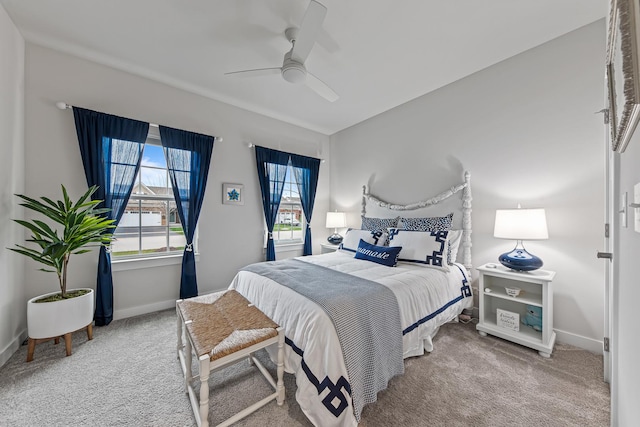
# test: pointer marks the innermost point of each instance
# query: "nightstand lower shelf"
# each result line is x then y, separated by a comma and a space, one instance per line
526, 336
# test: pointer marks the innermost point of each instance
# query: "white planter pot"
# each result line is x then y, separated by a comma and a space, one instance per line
56, 318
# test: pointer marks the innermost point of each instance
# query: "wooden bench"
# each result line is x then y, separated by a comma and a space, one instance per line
224, 328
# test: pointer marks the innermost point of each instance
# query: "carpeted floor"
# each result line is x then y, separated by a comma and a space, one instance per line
128, 375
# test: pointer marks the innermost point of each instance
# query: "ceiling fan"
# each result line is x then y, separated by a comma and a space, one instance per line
302, 40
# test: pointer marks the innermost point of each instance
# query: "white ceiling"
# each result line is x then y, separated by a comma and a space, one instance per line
376, 54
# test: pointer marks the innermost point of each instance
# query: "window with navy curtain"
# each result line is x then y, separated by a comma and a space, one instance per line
306, 171
111, 148
272, 170
188, 157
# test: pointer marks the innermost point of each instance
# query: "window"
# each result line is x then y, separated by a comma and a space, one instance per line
150, 225
290, 225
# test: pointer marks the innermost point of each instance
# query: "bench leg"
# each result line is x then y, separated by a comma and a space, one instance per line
280, 368
187, 361
179, 319
204, 391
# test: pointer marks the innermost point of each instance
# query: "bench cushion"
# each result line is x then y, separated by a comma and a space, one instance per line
225, 322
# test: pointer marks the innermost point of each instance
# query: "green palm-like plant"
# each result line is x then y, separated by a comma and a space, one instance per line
83, 227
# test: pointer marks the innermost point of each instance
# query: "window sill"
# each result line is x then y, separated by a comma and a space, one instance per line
287, 247
151, 262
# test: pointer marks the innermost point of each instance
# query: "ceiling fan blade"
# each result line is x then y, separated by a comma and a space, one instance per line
255, 73
321, 88
325, 40
311, 24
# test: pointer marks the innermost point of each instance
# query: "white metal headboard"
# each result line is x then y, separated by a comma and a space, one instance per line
465, 187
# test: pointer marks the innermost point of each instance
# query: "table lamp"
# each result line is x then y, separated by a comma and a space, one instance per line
520, 224
336, 220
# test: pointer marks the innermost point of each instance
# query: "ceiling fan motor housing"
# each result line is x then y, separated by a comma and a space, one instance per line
302, 40
293, 71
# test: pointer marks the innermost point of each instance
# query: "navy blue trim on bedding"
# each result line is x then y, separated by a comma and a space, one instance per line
366, 317
465, 291
335, 390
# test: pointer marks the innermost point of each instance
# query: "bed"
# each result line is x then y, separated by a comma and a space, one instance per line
350, 318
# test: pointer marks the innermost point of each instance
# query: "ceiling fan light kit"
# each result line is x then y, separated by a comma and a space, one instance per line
302, 40
293, 71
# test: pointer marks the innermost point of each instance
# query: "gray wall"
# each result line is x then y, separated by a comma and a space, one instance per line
526, 130
12, 289
229, 236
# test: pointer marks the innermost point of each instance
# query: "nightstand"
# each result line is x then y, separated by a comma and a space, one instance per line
328, 247
501, 315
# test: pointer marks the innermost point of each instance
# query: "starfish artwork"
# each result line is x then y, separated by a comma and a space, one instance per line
233, 195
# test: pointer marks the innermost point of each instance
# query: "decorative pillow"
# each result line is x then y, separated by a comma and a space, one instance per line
453, 244
436, 223
379, 224
352, 239
428, 248
380, 254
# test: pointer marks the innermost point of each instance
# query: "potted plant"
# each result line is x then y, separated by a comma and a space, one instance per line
60, 313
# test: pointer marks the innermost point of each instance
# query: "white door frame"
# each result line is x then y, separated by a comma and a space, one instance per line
611, 221
611, 303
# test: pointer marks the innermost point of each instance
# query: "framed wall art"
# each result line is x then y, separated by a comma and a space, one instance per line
623, 85
232, 194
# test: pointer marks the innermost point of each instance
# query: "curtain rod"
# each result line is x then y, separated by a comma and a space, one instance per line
251, 145
64, 106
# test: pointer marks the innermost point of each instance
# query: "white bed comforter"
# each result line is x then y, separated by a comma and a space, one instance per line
427, 298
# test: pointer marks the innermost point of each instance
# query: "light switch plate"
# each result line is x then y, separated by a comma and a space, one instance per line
636, 211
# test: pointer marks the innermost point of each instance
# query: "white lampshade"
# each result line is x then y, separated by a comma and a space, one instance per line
521, 224
336, 220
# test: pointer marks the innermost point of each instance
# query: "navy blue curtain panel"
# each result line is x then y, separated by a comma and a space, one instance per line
111, 149
306, 171
188, 157
272, 170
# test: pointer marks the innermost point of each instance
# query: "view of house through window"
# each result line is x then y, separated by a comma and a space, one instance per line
290, 222
150, 224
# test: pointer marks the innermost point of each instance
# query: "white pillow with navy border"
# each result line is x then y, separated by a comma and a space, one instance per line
426, 248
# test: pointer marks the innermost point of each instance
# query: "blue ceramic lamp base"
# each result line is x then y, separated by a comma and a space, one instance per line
519, 259
335, 239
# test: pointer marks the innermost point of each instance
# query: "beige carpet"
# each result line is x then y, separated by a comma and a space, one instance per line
129, 376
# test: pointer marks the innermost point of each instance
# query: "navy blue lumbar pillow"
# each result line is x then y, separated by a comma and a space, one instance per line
381, 254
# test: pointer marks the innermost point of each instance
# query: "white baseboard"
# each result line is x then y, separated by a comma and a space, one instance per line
12, 347
150, 308
565, 337
143, 309
588, 344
